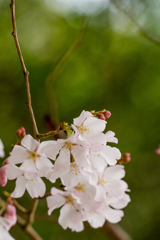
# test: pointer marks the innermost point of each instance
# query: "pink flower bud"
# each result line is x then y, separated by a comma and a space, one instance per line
3, 177
11, 210
158, 150
107, 114
11, 214
126, 157
101, 116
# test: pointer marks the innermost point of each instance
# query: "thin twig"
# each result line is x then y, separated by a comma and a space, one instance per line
20, 207
142, 31
25, 72
49, 134
29, 229
59, 68
33, 210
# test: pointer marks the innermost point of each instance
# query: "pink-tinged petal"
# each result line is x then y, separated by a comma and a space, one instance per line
95, 124
121, 203
43, 165
80, 155
79, 120
12, 171
18, 155
98, 163
100, 193
28, 166
30, 143
115, 190
112, 215
51, 148
54, 202
93, 137
96, 148
20, 187
111, 154
2, 154
71, 218
36, 188
114, 172
95, 220
110, 137
62, 163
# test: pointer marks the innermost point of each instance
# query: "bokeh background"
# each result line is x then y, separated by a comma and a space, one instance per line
88, 55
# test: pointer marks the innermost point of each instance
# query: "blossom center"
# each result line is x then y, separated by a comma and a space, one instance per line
83, 129
69, 200
80, 188
102, 181
33, 155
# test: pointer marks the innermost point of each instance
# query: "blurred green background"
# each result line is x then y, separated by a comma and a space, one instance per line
80, 60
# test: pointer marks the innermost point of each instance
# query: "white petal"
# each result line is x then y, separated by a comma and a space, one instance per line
54, 202
62, 163
28, 166
18, 155
110, 137
2, 154
70, 217
12, 171
80, 156
121, 203
51, 148
30, 143
95, 220
111, 154
36, 188
20, 187
95, 124
112, 215
98, 163
43, 165
114, 172
79, 120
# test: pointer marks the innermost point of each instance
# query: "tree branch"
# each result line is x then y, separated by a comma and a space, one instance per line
29, 230
142, 31
115, 231
49, 134
25, 72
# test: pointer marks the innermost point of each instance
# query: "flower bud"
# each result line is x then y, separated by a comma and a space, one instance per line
126, 157
158, 150
11, 214
107, 114
3, 176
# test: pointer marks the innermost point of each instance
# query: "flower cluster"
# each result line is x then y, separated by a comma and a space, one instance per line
92, 188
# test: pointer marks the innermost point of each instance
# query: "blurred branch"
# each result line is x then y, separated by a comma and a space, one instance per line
59, 68
20, 207
25, 72
141, 30
33, 211
115, 231
29, 230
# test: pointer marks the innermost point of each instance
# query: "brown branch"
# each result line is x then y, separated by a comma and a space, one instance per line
33, 211
20, 207
25, 72
142, 31
115, 231
29, 230
49, 134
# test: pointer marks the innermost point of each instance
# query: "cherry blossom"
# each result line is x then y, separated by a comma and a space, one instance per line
25, 181
5, 225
